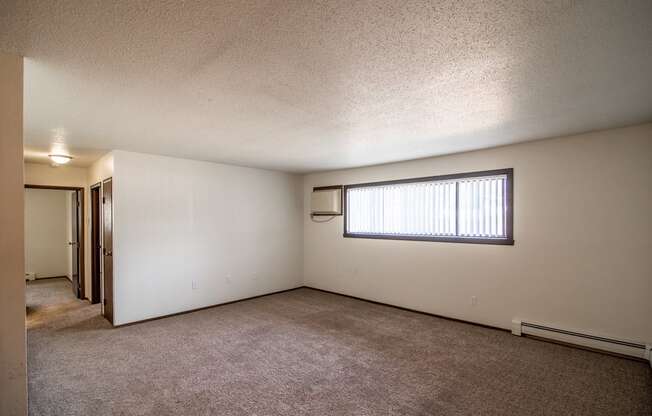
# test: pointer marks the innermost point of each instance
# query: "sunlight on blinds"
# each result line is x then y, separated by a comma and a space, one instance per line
420, 208
467, 207
482, 207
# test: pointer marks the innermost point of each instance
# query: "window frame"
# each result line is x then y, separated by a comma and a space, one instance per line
509, 209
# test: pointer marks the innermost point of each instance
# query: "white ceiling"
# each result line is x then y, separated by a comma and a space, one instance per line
313, 85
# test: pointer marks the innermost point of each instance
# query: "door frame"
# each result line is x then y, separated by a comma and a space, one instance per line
96, 263
82, 243
110, 318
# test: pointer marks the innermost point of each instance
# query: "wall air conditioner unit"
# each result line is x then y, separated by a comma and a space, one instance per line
326, 200
584, 339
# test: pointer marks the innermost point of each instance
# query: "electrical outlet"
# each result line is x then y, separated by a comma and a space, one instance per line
474, 300
195, 285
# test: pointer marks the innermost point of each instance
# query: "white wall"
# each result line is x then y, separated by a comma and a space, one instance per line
236, 232
100, 170
582, 229
13, 373
47, 222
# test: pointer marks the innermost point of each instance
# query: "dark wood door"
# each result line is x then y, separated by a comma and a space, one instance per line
107, 219
75, 216
96, 245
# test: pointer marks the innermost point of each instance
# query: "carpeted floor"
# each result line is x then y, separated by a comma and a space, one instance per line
305, 352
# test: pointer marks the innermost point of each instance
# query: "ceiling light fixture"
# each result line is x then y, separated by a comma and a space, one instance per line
60, 159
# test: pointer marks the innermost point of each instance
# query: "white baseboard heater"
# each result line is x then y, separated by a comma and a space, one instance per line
619, 346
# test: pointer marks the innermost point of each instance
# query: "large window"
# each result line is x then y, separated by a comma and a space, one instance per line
469, 208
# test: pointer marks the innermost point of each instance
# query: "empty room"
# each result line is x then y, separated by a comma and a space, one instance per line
325, 208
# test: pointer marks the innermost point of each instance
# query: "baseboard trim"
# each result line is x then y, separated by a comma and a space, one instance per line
318, 290
409, 309
533, 337
49, 277
389, 305
206, 307
585, 347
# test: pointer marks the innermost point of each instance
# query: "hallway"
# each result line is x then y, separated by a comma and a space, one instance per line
51, 304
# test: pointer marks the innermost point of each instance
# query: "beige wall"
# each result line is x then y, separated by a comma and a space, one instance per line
13, 377
583, 231
38, 174
47, 226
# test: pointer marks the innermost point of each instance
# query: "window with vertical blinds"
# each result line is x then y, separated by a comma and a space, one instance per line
472, 207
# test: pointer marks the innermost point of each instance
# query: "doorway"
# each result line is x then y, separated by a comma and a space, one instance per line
107, 251
75, 243
96, 243
46, 251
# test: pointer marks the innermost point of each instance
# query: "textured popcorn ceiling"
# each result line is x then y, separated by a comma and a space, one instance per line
313, 85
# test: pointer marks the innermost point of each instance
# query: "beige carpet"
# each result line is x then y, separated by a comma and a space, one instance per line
306, 352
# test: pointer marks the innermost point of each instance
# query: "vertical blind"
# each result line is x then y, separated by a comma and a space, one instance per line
466, 207
482, 207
